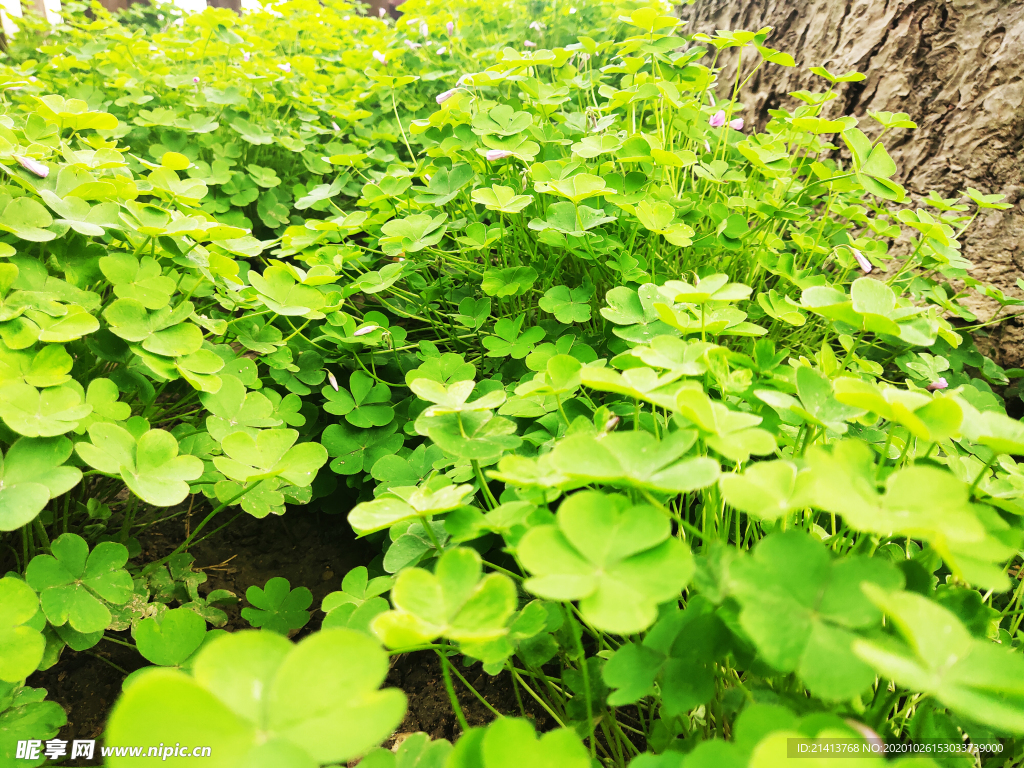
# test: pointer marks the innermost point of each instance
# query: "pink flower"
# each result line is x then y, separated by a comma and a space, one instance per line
442, 50
450, 28
334, 381
412, 46
441, 98
335, 126
424, 29
286, 67
380, 57
865, 265
497, 154
381, 12
33, 166
245, 55
366, 330
584, 57
536, 26
737, 124
529, 44
939, 383
718, 119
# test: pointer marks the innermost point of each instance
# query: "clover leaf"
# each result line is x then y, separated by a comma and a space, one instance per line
445, 185
412, 234
358, 602
47, 413
140, 280
279, 290
233, 409
73, 582
978, 679
501, 199
149, 465
620, 561
568, 305
453, 602
21, 646
31, 473
436, 496
48, 367
507, 340
278, 607
817, 405
634, 309
512, 281
261, 699
635, 459
24, 716
272, 453
476, 435
170, 638
792, 575
512, 741
163, 332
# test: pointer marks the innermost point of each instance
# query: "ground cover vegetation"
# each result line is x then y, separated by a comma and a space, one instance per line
678, 423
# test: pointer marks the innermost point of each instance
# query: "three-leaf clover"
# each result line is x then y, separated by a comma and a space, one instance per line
73, 583
278, 607
355, 450
792, 575
41, 413
412, 234
454, 602
272, 453
507, 340
568, 305
149, 465
365, 406
501, 199
620, 561
233, 409
262, 700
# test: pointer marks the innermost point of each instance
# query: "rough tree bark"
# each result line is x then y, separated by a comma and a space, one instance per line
956, 66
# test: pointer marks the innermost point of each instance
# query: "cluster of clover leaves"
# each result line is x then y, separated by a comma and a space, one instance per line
676, 424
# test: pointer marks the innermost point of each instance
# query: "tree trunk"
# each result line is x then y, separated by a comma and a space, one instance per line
954, 65
234, 5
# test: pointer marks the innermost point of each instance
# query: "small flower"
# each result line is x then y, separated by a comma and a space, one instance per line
334, 381
286, 67
718, 119
572, 11
939, 383
424, 29
245, 55
380, 57
366, 330
33, 166
381, 12
412, 46
584, 57
865, 265
441, 98
442, 50
335, 126
497, 154
707, 146
737, 124
450, 28
195, 80
611, 424
536, 26
529, 44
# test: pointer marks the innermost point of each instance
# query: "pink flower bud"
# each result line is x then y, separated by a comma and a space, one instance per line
939, 383
286, 67
412, 46
245, 55
424, 29
584, 57
611, 424
380, 57
442, 50
441, 98
381, 12
450, 28
497, 154
366, 330
536, 26
865, 265
334, 381
529, 44
33, 166
195, 80
737, 124
718, 119
335, 126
